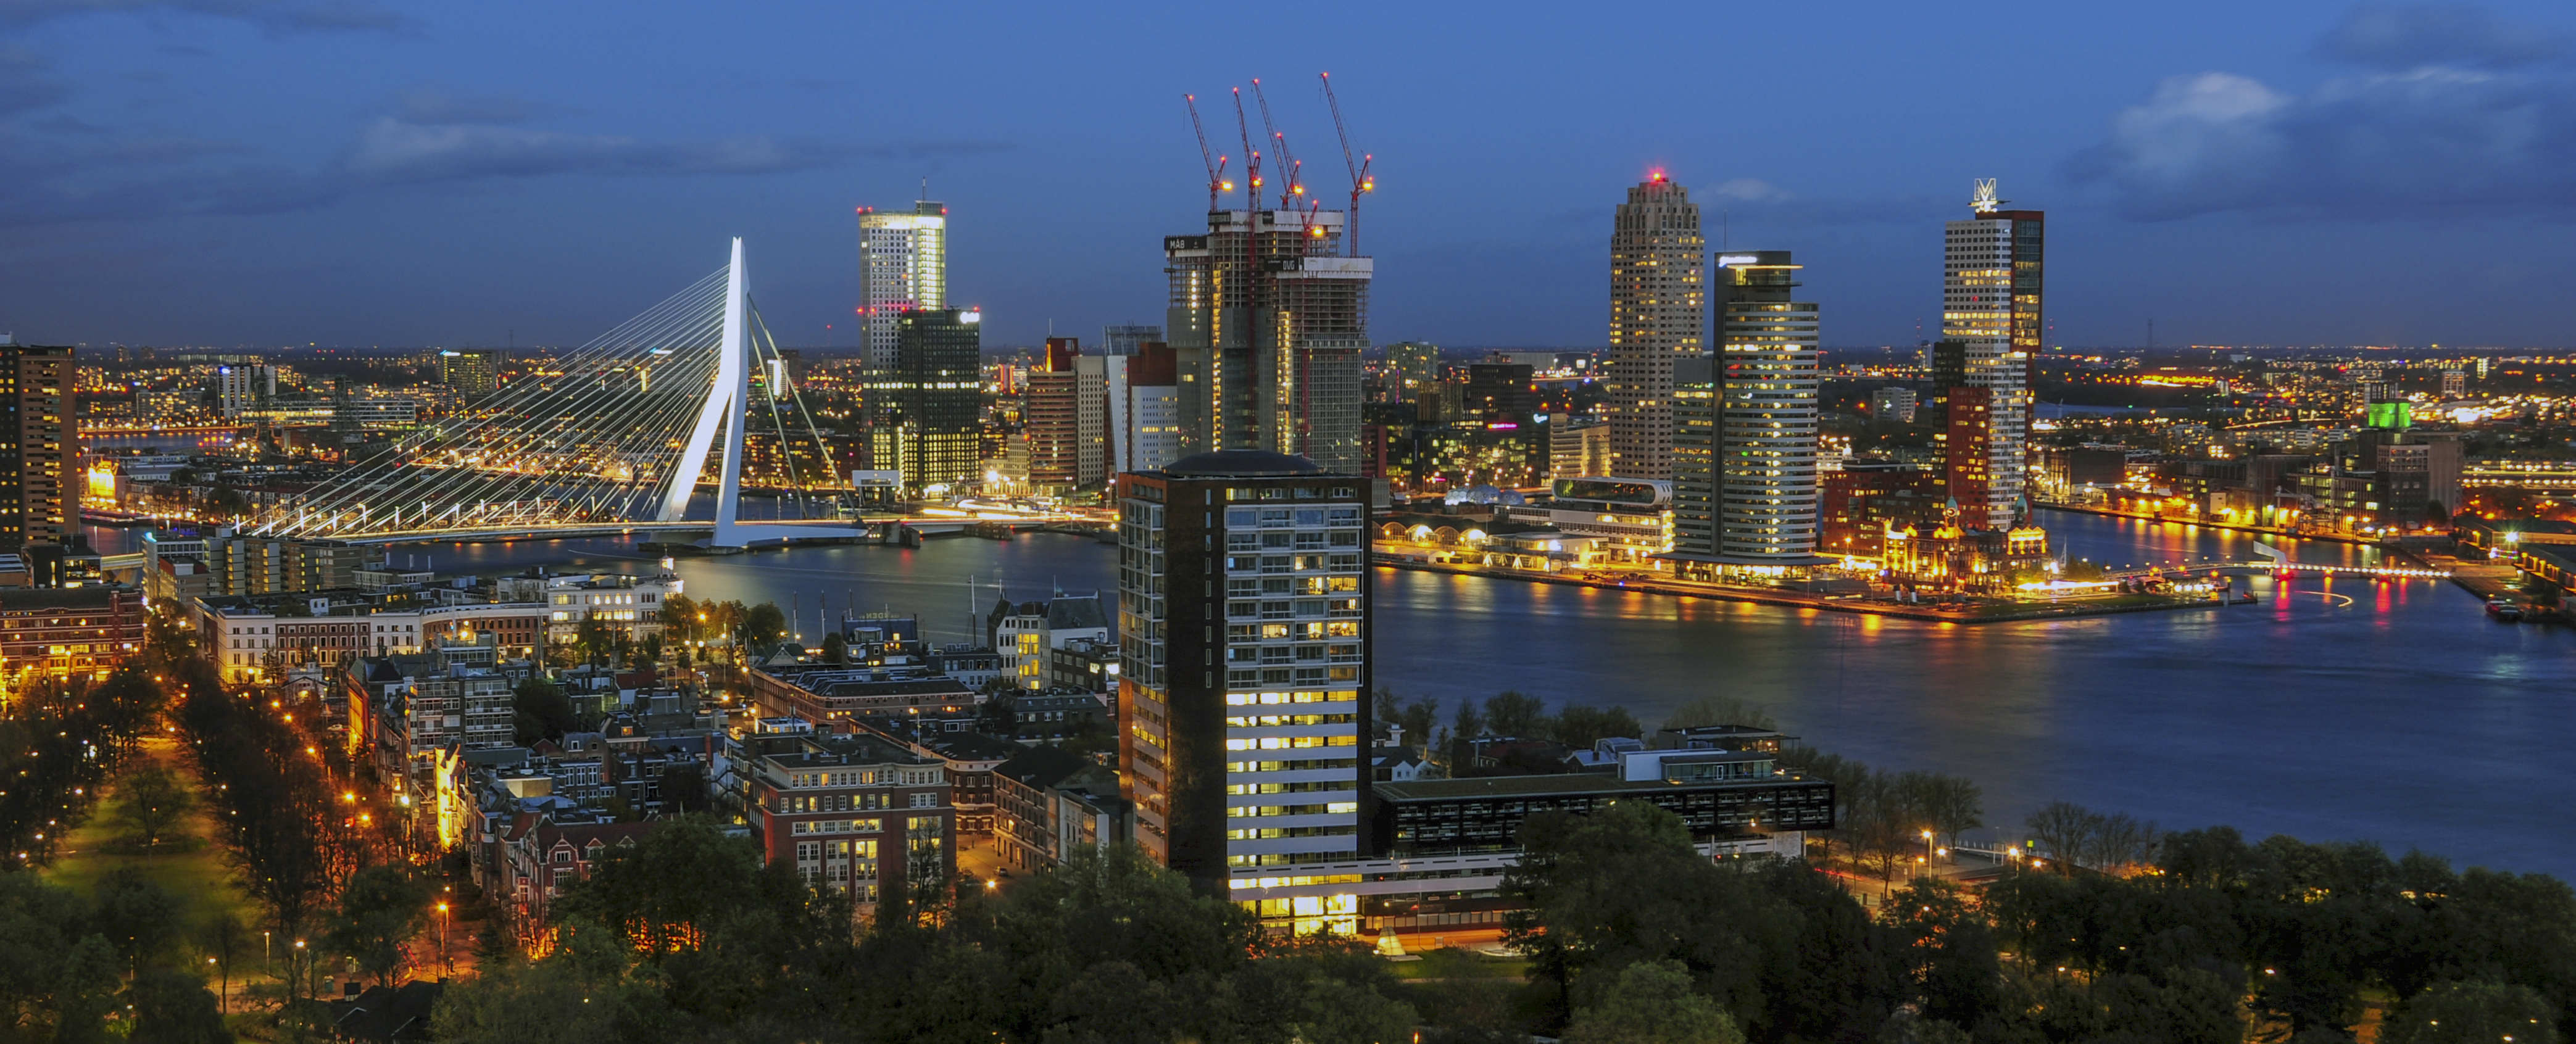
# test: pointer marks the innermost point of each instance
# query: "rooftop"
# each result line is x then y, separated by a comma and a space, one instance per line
1242, 463
1536, 786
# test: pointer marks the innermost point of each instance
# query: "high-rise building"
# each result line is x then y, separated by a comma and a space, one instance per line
1267, 324
1657, 315
240, 387
473, 372
1766, 401
1991, 305
926, 412
1578, 446
1145, 409
1698, 473
1051, 419
903, 266
1892, 403
1243, 704
1965, 413
36, 510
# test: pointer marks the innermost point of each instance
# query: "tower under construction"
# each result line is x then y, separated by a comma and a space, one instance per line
1267, 322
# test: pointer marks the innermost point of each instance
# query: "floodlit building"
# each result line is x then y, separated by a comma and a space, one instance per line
1766, 412
1991, 300
926, 413
473, 372
1658, 306
903, 267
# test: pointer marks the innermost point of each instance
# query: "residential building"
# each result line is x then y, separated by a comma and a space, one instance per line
1055, 715
540, 858
1578, 446
903, 267
1657, 316
1244, 617
854, 813
833, 697
1766, 406
1867, 498
1144, 408
926, 409
1991, 307
1051, 419
37, 509
474, 373
1895, 402
243, 386
1267, 322
1027, 634
1050, 804
628, 605
68, 631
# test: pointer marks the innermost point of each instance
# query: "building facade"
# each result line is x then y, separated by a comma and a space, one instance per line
1658, 315
1991, 305
926, 411
903, 267
855, 814
36, 510
474, 372
1766, 404
1244, 695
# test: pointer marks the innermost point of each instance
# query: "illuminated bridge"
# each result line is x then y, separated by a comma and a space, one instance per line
616, 436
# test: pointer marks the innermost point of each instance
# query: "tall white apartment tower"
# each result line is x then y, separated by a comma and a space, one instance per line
1990, 304
1766, 411
903, 265
1658, 314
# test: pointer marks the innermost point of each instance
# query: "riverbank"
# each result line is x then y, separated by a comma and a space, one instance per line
2230, 526
1980, 613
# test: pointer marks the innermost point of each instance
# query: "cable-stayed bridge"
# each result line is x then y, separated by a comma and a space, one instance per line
615, 436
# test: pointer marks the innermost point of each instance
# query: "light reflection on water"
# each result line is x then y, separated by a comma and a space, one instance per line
2336, 708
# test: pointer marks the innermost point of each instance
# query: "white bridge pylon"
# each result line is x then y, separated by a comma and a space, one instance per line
613, 436
729, 406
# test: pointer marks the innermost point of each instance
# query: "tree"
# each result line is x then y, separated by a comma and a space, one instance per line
1653, 1004
382, 908
543, 712
1719, 710
2473, 1013
592, 639
224, 939
1516, 714
138, 917
582, 995
172, 1008
763, 624
150, 800
1584, 726
835, 648
1952, 805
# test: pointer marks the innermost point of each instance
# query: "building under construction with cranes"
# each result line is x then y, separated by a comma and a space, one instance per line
1268, 315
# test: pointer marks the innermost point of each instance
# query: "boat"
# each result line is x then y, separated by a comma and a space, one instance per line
991, 530
2504, 610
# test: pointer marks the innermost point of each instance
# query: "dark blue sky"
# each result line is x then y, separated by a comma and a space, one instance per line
249, 172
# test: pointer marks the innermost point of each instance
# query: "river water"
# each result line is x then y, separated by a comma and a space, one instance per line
2350, 709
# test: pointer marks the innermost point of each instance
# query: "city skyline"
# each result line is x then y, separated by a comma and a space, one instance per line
497, 205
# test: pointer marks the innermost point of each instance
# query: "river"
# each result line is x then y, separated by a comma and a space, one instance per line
2387, 711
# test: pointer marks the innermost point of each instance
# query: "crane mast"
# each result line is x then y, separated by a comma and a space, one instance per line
1215, 164
1361, 182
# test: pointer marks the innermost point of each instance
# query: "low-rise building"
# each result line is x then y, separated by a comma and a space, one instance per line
854, 813
1051, 803
67, 631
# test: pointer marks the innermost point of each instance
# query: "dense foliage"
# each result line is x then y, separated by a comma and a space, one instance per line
688, 937
2214, 938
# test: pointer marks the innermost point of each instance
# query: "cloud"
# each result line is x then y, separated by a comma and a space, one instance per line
2394, 36
437, 107
2461, 134
276, 16
394, 151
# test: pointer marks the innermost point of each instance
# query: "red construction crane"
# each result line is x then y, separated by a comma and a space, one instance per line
1360, 180
1289, 192
1251, 156
1215, 164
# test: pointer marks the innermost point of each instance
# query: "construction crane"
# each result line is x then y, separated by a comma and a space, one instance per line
1287, 160
1251, 156
1360, 180
1215, 164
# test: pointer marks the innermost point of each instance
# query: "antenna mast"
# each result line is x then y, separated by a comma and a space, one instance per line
1361, 182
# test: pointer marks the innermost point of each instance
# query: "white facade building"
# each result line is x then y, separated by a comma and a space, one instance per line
903, 265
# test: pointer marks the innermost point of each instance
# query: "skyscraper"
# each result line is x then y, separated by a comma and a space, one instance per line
1991, 305
36, 512
903, 265
1657, 315
1146, 419
1243, 704
1766, 401
926, 411
1267, 323
1051, 419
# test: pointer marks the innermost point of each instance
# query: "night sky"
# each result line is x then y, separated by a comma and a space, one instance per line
348, 172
